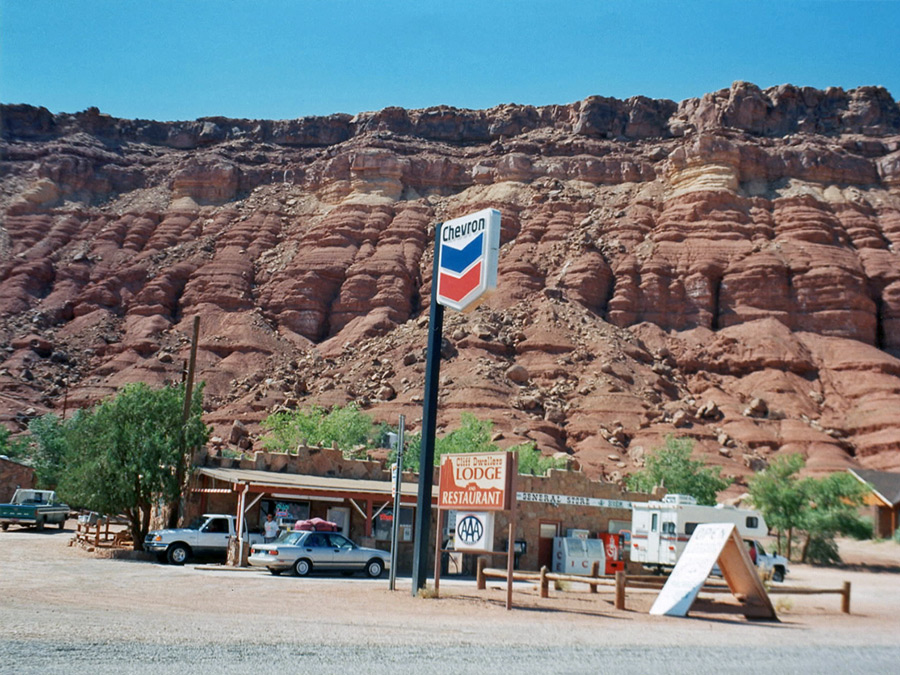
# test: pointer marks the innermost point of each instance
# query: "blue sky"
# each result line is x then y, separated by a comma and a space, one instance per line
277, 59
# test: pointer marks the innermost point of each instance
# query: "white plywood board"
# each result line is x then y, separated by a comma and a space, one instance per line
692, 569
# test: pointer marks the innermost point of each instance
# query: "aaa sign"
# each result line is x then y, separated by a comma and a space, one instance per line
467, 258
475, 481
474, 531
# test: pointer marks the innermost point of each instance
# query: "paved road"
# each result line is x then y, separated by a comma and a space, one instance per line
26, 657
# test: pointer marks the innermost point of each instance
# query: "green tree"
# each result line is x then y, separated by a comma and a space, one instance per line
833, 509
123, 455
347, 426
819, 508
14, 448
672, 468
474, 435
49, 442
781, 495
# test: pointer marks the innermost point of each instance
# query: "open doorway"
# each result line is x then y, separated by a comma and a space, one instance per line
548, 530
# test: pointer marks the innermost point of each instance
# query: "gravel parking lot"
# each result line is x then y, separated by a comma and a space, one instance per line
64, 610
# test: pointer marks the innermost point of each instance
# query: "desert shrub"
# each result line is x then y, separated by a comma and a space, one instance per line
822, 550
673, 468
347, 426
474, 435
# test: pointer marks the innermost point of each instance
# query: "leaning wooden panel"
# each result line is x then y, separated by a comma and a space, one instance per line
711, 543
740, 574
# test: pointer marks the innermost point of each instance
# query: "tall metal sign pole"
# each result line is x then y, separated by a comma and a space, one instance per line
429, 422
465, 268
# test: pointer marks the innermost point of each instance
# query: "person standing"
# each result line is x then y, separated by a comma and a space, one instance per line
270, 529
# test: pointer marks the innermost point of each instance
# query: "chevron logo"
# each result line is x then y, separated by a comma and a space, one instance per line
467, 264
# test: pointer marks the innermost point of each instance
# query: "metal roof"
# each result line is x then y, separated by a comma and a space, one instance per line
298, 481
884, 483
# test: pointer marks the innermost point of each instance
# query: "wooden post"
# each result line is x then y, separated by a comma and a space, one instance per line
595, 572
620, 589
845, 598
106, 530
438, 552
513, 463
97, 533
479, 573
545, 583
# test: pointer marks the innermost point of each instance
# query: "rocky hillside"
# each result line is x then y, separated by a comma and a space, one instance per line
725, 268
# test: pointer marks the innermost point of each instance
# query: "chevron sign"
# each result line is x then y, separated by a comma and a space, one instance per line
467, 267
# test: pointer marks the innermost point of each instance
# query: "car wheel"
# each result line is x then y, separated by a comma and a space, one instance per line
178, 554
302, 567
778, 574
4, 526
39, 523
274, 572
62, 524
374, 568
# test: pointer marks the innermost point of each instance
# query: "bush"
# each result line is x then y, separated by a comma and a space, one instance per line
673, 468
822, 550
474, 435
349, 427
14, 448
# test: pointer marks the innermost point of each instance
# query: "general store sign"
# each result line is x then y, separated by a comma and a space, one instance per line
467, 265
477, 481
569, 500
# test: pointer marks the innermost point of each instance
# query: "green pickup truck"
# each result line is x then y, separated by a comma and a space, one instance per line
34, 507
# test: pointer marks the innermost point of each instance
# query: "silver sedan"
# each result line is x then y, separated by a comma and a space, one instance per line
304, 552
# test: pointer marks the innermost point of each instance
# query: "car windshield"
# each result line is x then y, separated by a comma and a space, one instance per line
195, 523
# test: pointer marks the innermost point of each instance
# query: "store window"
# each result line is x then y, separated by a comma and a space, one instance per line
286, 512
385, 521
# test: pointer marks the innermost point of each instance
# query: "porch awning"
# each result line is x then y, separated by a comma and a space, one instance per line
267, 481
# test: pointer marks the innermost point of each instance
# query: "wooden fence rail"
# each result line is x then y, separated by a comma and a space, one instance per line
621, 581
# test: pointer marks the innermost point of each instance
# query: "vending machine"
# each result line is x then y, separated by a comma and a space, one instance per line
614, 549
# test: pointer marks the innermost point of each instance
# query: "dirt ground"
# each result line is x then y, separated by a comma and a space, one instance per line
53, 592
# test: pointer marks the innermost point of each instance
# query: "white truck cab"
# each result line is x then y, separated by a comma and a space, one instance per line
208, 535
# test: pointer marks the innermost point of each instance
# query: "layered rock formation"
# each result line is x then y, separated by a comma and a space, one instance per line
725, 268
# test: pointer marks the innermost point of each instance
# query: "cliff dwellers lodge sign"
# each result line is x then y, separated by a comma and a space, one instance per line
475, 481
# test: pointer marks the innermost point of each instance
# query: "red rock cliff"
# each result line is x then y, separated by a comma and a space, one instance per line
726, 268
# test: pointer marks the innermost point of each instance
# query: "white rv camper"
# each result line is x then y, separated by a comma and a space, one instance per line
660, 530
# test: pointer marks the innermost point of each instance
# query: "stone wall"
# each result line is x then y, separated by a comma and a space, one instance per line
308, 460
568, 483
14, 475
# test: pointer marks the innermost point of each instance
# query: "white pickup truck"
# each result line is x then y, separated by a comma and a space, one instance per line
208, 535
774, 566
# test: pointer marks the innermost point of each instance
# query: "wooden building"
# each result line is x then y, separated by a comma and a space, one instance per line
357, 495
884, 499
